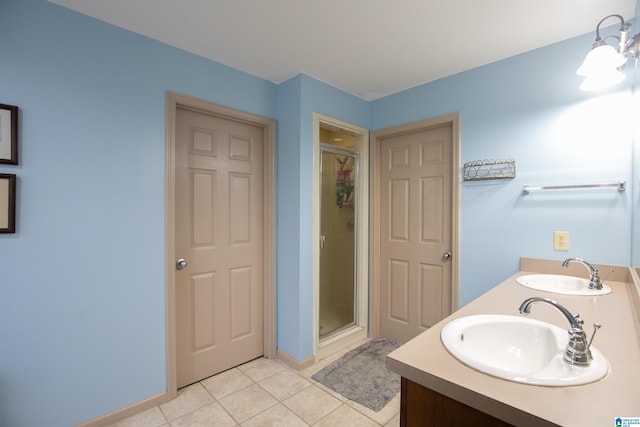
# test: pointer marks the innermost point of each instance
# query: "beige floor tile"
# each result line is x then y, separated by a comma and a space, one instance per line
211, 415
241, 400
150, 418
382, 416
346, 416
278, 416
311, 370
312, 404
331, 391
284, 384
226, 383
261, 368
248, 403
394, 422
189, 399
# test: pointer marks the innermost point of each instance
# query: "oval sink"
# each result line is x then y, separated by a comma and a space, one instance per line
518, 349
559, 284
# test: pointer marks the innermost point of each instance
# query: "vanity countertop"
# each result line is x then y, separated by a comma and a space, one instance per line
425, 361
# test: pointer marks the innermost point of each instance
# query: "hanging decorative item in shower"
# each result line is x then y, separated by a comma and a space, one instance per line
344, 182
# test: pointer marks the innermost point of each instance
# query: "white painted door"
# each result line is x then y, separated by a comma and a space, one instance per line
219, 294
415, 231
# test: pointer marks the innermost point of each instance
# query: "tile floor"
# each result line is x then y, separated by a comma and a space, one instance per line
264, 392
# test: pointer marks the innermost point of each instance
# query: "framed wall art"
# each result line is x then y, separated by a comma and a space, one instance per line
8, 134
7, 203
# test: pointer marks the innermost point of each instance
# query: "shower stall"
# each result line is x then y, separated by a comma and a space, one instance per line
341, 221
341, 235
337, 239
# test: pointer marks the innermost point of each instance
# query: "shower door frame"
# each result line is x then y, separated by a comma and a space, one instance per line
360, 329
339, 151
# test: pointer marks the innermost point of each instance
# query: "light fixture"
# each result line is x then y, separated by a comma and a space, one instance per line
601, 67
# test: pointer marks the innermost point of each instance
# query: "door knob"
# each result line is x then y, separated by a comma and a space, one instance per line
181, 263
447, 256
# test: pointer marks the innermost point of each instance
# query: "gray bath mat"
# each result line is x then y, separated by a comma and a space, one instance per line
361, 375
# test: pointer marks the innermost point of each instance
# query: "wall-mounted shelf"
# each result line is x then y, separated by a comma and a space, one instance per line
480, 170
619, 185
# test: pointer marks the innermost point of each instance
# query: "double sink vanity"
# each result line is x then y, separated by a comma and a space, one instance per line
530, 352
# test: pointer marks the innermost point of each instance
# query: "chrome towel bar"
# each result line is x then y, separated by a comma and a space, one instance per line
620, 185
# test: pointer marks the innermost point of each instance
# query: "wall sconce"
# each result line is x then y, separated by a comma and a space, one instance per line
601, 67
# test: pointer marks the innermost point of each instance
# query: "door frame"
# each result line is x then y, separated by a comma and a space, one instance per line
175, 100
360, 330
374, 199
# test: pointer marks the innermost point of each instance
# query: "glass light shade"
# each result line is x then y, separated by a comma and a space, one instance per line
600, 60
602, 80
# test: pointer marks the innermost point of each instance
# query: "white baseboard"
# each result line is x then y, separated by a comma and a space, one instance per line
127, 411
294, 363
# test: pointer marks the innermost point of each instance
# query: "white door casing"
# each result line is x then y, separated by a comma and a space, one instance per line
360, 330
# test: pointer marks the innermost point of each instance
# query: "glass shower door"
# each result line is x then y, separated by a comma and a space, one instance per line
337, 241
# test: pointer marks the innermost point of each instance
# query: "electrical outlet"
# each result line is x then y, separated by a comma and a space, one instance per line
560, 240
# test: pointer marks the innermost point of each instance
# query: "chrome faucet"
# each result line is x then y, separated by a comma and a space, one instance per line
578, 351
594, 278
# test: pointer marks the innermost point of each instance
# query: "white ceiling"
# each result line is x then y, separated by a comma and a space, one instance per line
369, 48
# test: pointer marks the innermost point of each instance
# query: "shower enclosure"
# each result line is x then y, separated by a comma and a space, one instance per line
338, 216
340, 235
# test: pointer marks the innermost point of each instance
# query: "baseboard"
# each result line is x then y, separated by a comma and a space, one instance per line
294, 363
127, 411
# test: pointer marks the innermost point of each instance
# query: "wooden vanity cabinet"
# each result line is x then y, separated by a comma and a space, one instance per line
423, 407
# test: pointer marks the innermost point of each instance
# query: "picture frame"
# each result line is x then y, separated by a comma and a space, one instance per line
7, 203
8, 134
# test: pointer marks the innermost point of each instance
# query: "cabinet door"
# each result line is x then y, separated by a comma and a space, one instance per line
420, 406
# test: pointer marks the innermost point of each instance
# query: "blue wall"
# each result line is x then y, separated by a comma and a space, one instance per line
82, 306
289, 233
298, 99
82, 283
529, 108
